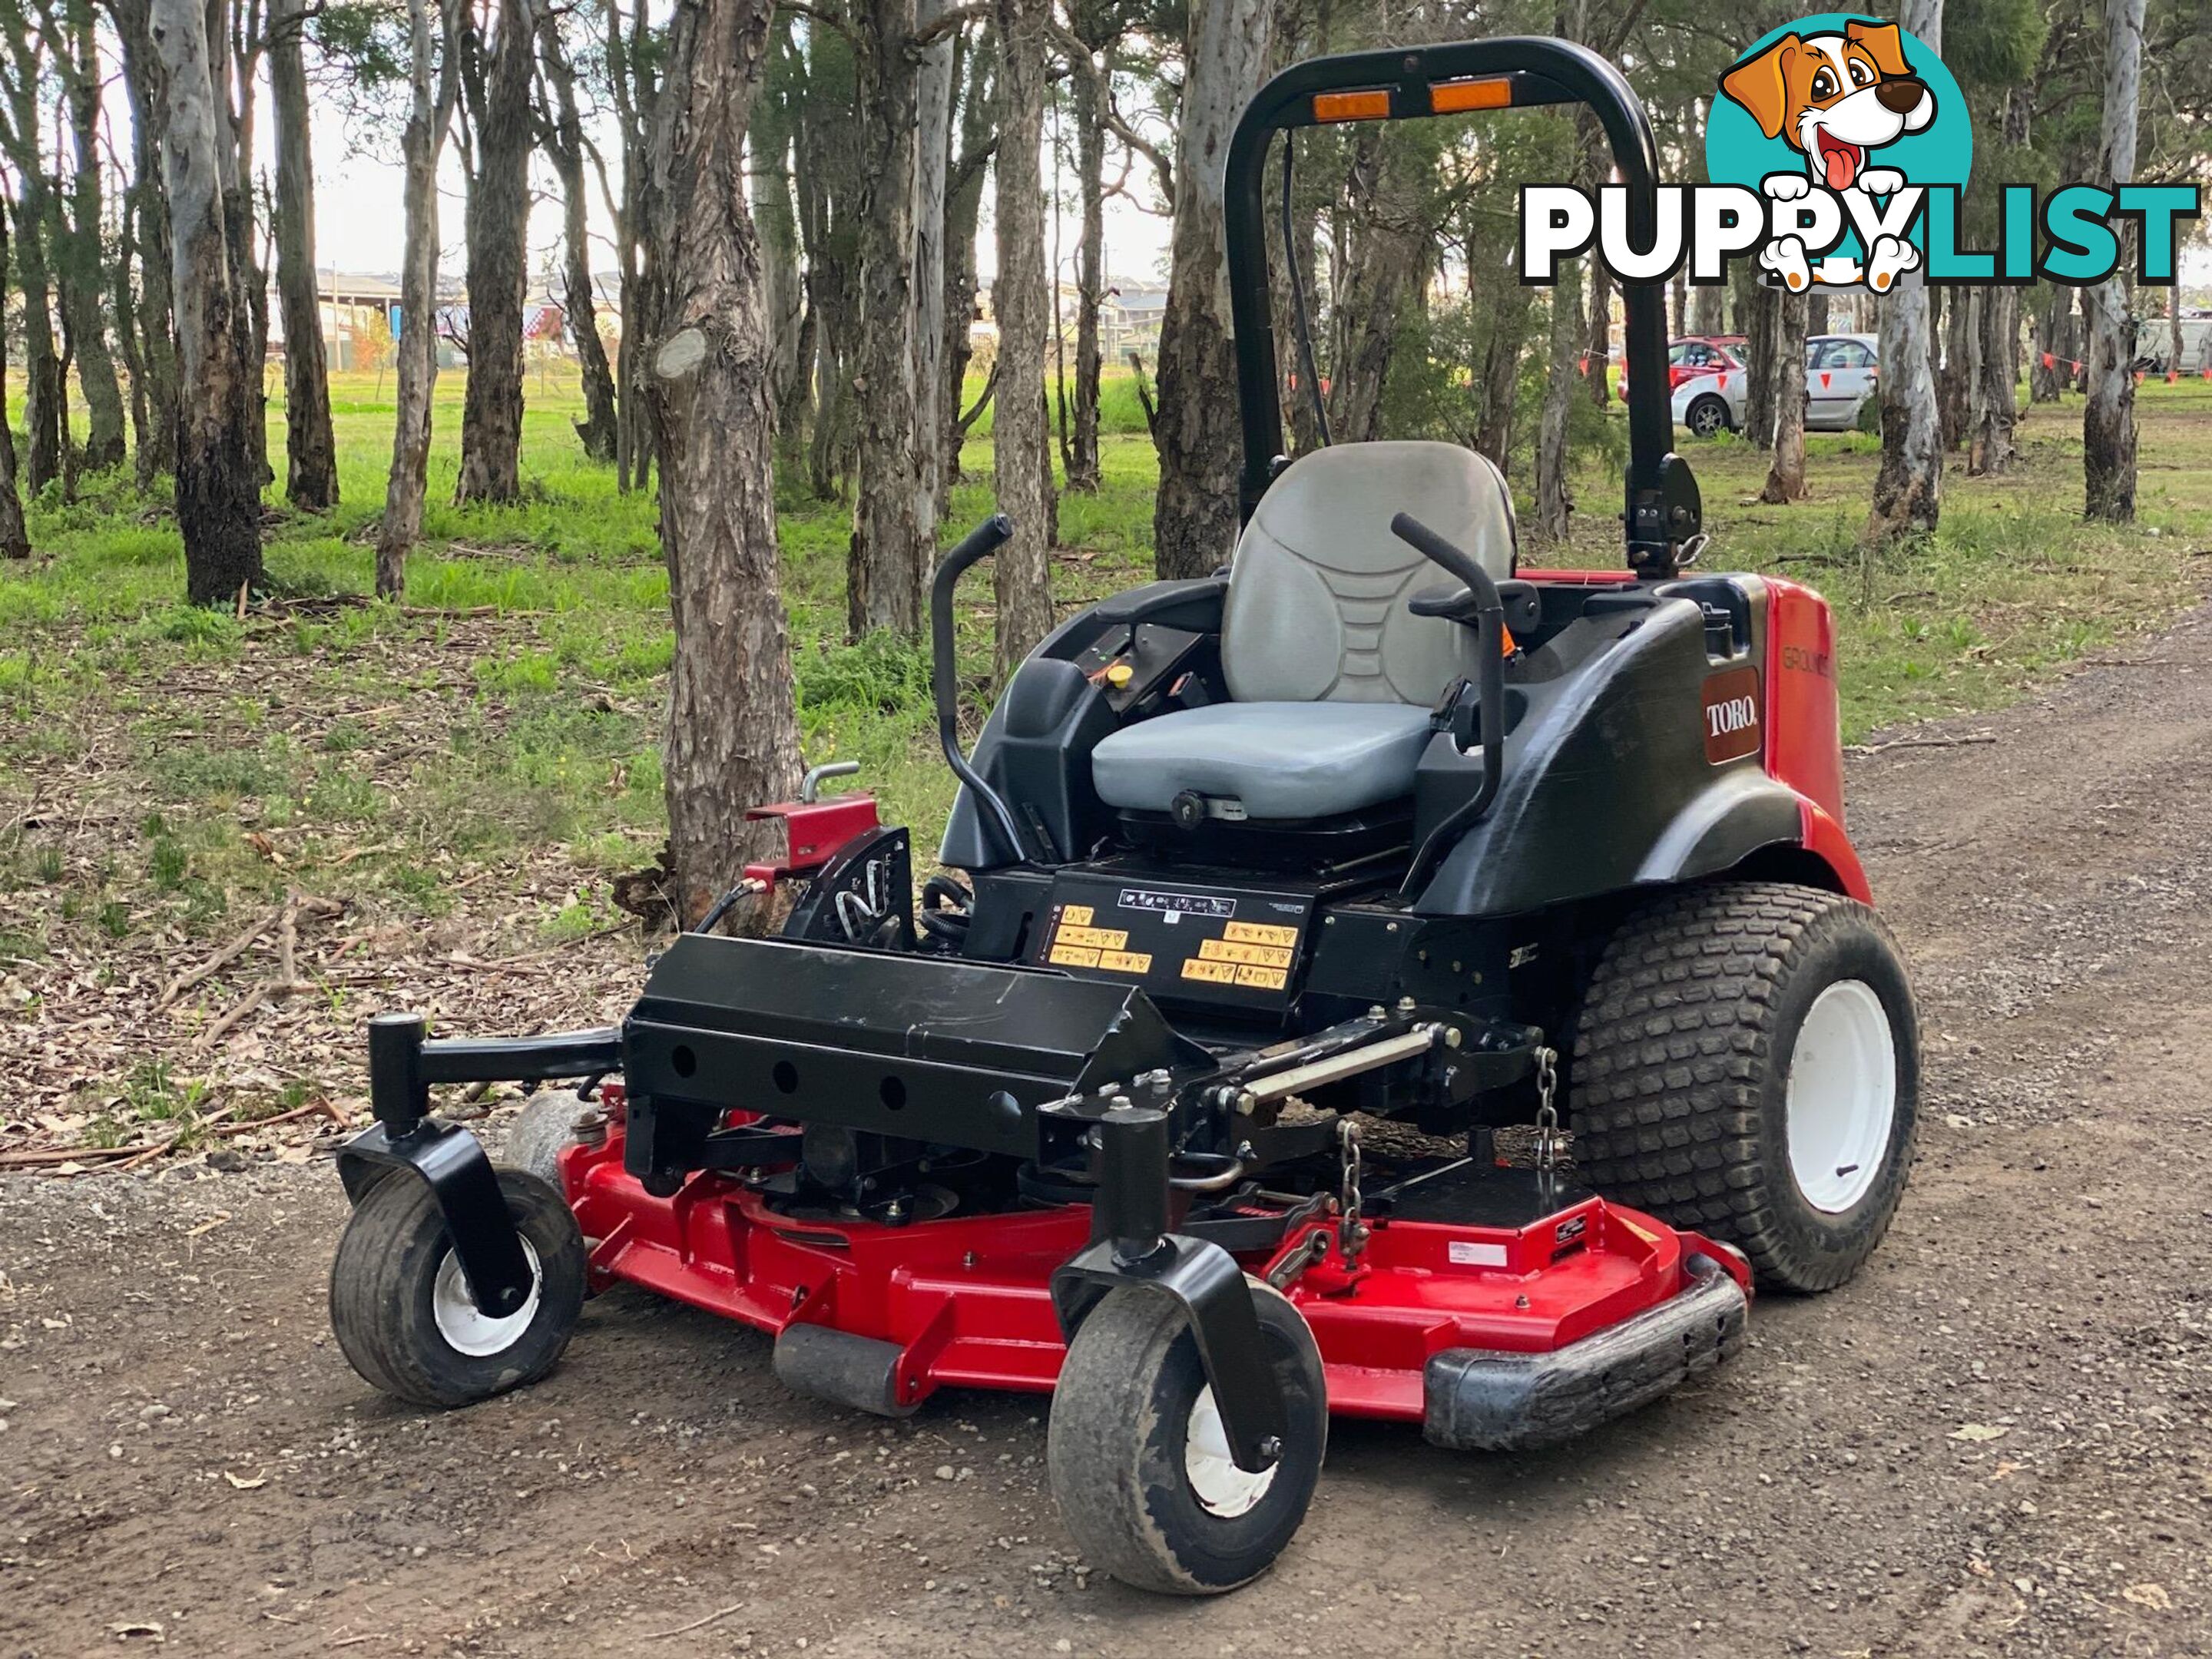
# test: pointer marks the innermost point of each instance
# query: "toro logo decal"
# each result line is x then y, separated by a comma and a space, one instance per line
1731, 715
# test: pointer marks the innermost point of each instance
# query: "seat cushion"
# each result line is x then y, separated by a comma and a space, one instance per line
1282, 760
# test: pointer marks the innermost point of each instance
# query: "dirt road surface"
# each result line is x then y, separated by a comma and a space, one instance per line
1993, 1441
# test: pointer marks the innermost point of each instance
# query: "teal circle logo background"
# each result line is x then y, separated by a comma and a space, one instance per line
1942, 153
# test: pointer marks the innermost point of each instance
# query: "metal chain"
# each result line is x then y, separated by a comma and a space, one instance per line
1351, 1233
1547, 1114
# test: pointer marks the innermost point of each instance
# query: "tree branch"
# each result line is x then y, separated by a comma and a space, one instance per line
946, 21
827, 19
1143, 147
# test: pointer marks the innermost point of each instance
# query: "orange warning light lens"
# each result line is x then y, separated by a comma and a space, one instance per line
1352, 105
1489, 91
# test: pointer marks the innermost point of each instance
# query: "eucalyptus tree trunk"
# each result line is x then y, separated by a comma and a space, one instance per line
1705, 309
963, 205
1908, 489
894, 510
15, 540
82, 265
563, 130
2046, 379
1194, 517
433, 92
732, 728
311, 457
152, 310
932, 179
1762, 364
1994, 416
235, 113
2108, 422
828, 184
1954, 383
42, 363
1023, 465
631, 84
1555, 504
783, 291
1499, 383
1785, 478
218, 482
1391, 246
1599, 347
1087, 104
498, 94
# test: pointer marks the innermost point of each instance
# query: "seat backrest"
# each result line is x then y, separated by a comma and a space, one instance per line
1316, 608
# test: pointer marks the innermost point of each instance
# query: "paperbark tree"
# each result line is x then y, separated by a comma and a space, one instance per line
1018, 295
15, 540
561, 128
495, 84
2108, 420
435, 88
1785, 479
732, 727
1194, 516
311, 456
218, 480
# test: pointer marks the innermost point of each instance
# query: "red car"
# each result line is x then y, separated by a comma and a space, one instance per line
1692, 355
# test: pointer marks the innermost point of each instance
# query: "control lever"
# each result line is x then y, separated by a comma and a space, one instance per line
1490, 653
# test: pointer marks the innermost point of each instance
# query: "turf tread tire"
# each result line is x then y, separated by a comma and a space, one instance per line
382, 1277
1678, 1084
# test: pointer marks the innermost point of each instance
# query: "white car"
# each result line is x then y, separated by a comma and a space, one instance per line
1839, 377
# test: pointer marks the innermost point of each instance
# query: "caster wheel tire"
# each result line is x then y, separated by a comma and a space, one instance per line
1140, 1467
541, 1130
401, 1309
1746, 1062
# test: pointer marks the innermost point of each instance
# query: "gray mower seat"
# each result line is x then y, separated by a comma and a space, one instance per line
1331, 677
1281, 759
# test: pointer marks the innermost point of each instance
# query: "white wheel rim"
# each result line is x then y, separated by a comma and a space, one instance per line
1219, 1486
1842, 1096
466, 1327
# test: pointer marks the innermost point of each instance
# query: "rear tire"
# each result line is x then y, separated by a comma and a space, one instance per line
1708, 417
400, 1309
1138, 1464
1746, 1064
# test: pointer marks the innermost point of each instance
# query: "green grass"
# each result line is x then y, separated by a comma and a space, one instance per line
512, 708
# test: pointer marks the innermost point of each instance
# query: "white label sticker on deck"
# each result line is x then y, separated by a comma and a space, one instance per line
1467, 1252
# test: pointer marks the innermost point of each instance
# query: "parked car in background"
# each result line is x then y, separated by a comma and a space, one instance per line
1840, 374
1692, 355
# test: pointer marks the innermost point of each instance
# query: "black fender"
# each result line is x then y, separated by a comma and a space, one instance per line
453, 1163
1740, 813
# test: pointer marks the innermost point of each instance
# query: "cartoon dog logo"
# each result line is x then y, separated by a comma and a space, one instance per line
1835, 99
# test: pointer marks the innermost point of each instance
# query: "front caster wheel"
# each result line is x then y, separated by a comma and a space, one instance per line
401, 1310
1140, 1467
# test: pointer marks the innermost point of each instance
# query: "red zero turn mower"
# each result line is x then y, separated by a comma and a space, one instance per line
1253, 865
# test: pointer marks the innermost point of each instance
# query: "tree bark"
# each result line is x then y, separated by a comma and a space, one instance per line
1390, 245
1954, 384
1706, 315
963, 206
496, 87
1785, 479
15, 539
732, 727
42, 364
563, 131
1499, 385
783, 291
218, 484
1762, 359
827, 178
932, 180
1599, 349
433, 92
1020, 445
311, 457
1990, 447
2108, 421
82, 265
631, 84
1908, 489
1555, 504
894, 512
1194, 518
1093, 31
153, 311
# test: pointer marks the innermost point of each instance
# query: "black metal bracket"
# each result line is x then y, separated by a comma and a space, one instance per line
403, 1065
1132, 1247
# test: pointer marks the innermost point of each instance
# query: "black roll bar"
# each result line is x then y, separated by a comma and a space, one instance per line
1403, 83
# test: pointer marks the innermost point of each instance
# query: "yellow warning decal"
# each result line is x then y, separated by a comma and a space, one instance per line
1075, 916
1098, 939
1267, 979
1073, 956
1126, 961
1253, 933
1258, 956
1213, 973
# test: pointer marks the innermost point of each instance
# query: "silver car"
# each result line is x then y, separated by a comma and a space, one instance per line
1840, 372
